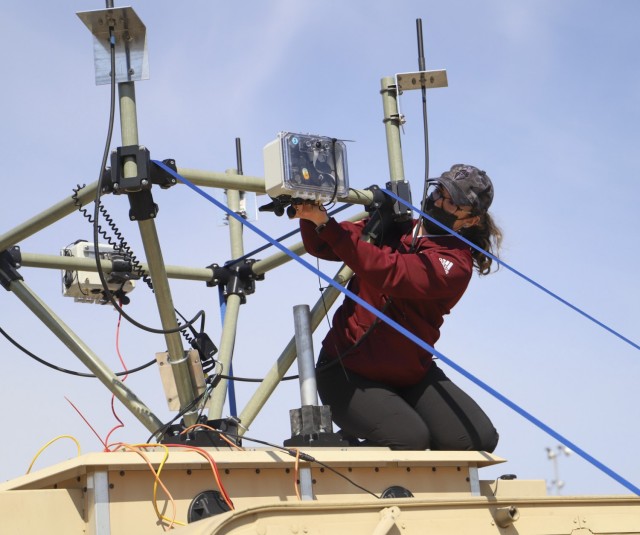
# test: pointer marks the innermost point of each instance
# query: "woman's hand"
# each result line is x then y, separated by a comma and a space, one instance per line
312, 212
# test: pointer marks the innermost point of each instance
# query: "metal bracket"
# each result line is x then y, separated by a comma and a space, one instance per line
10, 262
142, 206
401, 188
130, 35
407, 81
417, 80
162, 178
121, 184
238, 279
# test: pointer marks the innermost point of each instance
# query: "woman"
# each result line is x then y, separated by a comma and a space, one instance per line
382, 387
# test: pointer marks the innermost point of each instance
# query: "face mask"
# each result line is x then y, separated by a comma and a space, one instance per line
440, 215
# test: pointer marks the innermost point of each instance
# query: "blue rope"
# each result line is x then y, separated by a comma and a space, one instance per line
412, 337
522, 275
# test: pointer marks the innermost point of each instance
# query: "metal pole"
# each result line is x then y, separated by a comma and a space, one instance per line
213, 179
88, 358
47, 217
304, 350
232, 311
153, 252
225, 355
284, 362
74, 263
392, 121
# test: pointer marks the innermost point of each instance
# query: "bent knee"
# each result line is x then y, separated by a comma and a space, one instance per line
415, 439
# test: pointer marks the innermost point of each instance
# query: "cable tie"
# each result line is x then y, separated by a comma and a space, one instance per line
174, 362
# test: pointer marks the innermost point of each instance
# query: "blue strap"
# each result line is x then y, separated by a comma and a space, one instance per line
624, 482
522, 275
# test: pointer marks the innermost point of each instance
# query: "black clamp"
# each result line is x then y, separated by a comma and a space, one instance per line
142, 159
137, 188
278, 205
388, 215
10, 262
402, 189
238, 278
121, 269
114, 182
161, 177
142, 206
379, 198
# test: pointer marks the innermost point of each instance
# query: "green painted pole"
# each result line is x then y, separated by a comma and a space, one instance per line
186, 390
232, 311
84, 353
392, 122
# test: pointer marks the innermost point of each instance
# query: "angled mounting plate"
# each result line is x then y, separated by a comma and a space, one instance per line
416, 80
132, 62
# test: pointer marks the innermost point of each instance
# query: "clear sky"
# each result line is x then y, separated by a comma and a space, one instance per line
543, 95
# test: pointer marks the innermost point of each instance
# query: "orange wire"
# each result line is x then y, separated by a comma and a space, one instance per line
156, 475
214, 469
219, 433
296, 474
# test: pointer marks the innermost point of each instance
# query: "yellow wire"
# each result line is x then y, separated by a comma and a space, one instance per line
49, 444
296, 474
135, 448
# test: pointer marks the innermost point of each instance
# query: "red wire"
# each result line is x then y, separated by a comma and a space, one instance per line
113, 397
104, 442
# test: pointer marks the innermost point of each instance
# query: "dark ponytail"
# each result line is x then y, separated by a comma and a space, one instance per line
486, 235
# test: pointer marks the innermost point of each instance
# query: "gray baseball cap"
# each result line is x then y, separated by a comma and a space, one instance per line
468, 186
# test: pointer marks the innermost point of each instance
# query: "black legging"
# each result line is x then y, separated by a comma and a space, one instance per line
433, 414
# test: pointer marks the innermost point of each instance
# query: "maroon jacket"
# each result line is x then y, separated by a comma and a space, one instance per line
422, 286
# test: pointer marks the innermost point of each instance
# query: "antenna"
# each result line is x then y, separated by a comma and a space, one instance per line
552, 455
425, 123
421, 66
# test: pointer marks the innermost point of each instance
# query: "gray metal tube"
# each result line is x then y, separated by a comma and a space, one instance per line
304, 350
88, 358
285, 360
391, 121
153, 252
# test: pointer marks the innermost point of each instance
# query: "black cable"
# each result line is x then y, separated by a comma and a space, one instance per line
280, 239
164, 428
425, 128
295, 453
64, 370
334, 195
107, 293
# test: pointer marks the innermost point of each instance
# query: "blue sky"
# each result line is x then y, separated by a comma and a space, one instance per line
543, 95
